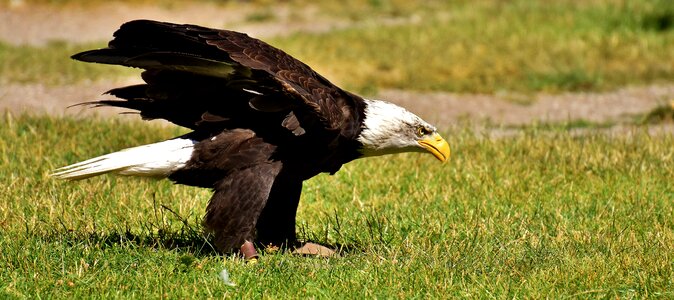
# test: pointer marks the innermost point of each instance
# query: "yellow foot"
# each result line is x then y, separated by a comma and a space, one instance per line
315, 249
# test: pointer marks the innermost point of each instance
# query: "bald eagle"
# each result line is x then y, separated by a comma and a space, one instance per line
262, 122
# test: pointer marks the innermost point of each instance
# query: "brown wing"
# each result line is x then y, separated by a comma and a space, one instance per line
199, 77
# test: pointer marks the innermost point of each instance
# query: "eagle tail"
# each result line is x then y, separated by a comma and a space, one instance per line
153, 160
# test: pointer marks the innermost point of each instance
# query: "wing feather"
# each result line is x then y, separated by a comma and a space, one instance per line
211, 69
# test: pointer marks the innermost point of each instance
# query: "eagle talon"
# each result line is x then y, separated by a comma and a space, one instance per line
249, 253
314, 249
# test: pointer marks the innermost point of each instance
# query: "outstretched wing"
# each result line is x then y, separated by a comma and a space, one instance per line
199, 77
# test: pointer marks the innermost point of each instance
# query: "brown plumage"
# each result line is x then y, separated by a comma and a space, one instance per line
262, 123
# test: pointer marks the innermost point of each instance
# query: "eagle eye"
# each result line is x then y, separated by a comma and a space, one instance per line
421, 131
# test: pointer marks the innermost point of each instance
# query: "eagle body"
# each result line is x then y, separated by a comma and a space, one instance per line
262, 122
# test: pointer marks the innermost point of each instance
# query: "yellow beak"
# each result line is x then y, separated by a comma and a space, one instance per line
437, 146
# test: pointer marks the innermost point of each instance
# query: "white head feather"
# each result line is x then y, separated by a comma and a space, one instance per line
389, 128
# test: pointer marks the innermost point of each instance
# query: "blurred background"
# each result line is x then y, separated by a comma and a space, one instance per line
597, 63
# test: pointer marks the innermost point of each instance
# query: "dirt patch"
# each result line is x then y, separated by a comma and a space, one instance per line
55, 100
38, 24
618, 106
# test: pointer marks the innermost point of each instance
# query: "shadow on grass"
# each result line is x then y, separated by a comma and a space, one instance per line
192, 242
190, 239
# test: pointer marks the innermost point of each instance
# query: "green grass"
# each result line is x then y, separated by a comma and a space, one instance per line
464, 46
660, 114
541, 214
51, 64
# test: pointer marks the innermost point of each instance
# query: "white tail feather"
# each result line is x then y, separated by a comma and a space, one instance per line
153, 160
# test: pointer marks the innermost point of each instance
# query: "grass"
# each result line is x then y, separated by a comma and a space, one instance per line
51, 64
541, 214
464, 46
660, 114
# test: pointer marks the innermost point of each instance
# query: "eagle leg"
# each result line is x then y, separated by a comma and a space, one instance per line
276, 224
239, 198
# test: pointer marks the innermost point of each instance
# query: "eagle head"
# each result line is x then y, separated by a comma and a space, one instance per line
388, 128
